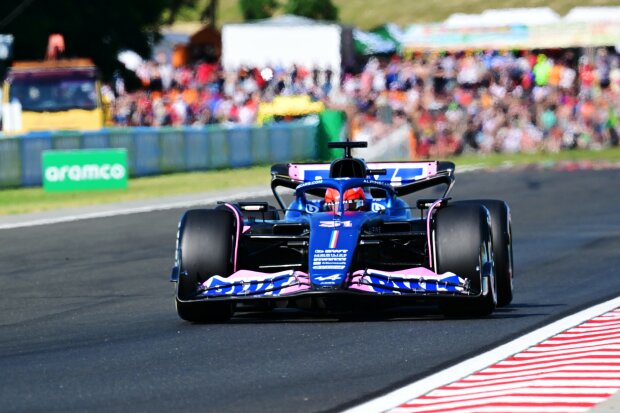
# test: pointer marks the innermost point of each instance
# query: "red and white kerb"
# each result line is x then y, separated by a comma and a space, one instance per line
570, 372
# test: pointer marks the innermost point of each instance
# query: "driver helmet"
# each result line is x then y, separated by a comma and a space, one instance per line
354, 199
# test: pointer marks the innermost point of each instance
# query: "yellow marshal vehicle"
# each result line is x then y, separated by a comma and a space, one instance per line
55, 94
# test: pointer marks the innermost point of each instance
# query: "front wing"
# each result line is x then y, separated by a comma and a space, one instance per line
247, 285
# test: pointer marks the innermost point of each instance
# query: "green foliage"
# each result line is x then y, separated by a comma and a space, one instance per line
97, 29
176, 6
257, 9
314, 9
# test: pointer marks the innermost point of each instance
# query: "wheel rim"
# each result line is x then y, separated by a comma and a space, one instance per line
486, 255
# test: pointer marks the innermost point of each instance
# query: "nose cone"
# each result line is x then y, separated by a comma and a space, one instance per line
333, 239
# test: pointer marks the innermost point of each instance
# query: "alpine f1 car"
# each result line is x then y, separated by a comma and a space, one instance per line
347, 238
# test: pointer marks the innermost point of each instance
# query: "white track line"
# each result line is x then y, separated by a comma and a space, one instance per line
474, 364
135, 210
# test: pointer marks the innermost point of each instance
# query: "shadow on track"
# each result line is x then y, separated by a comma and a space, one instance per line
396, 314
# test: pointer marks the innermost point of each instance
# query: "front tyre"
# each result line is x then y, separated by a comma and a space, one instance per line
501, 225
206, 248
464, 246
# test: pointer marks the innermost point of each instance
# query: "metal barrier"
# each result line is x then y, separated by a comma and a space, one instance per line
154, 151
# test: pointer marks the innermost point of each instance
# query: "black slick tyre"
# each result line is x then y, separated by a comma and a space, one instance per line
206, 239
463, 246
501, 225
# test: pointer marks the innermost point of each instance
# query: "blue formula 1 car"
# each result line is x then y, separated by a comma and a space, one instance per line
347, 239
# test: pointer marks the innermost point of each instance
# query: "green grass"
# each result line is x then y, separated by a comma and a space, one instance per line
16, 201
367, 14
541, 158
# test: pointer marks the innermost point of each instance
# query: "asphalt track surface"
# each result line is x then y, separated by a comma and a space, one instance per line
87, 321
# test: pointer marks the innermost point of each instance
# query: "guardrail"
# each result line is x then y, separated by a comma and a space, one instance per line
154, 151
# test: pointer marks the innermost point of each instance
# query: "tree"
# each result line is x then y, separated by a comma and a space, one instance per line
209, 14
314, 9
192, 8
175, 8
257, 9
97, 29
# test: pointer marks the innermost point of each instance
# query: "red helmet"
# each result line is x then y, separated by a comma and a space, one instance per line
354, 199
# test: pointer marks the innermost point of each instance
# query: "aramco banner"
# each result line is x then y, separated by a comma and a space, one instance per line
84, 170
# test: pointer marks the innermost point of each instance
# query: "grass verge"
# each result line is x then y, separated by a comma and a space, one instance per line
25, 200
365, 14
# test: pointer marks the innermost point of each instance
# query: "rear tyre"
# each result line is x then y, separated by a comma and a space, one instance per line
464, 246
206, 239
501, 226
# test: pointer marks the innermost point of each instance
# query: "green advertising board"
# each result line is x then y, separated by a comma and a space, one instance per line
80, 170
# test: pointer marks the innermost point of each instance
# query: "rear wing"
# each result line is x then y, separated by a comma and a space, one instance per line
404, 177
392, 173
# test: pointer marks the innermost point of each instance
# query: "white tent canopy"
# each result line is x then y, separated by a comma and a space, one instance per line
285, 20
593, 14
504, 17
462, 20
285, 41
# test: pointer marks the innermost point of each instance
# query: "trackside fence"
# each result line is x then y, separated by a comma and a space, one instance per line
154, 151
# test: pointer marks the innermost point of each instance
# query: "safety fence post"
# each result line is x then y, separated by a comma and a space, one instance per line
66, 140
218, 147
172, 150
259, 142
98, 139
10, 163
124, 138
240, 147
32, 146
280, 137
147, 151
197, 149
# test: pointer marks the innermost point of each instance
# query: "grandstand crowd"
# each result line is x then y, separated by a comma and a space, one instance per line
493, 101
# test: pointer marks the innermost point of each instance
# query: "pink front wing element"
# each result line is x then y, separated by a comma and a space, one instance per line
247, 275
414, 274
302, 280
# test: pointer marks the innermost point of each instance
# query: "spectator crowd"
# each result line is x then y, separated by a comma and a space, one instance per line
491, 101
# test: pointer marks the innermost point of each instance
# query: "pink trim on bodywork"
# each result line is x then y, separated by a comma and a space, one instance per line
415, 274
302, 278
248, 275
297, 171
428, 234
430, 167
239, 222
411, 272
